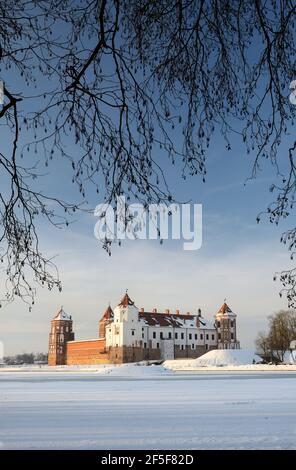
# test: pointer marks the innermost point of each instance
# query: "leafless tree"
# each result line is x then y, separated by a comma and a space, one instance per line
281, 331
263, 347
119, 78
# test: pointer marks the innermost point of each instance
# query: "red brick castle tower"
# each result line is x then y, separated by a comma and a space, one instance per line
60, 333
226, 328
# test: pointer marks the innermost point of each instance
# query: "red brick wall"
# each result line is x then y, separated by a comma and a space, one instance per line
87, 352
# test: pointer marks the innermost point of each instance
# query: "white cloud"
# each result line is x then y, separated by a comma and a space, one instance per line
156, 276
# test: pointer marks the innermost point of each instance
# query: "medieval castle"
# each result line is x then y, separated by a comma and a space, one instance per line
129, 334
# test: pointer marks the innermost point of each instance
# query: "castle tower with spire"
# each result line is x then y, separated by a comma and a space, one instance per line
60, 333
226, 328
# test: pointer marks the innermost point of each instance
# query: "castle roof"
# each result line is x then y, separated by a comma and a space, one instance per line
62, 315
126, 300
174, 320
225, 309
108, 314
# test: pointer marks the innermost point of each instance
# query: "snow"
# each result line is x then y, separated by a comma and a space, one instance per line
229, 360
146, 408
134, 370
220, 357
175, 320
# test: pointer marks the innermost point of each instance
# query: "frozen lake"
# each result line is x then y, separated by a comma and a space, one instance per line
86, 410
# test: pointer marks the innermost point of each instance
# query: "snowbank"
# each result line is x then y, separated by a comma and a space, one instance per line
217, 358
137, 369
134, 369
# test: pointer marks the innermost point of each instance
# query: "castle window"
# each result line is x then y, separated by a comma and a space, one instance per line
207, 336
145, 345
161, 335
207, 347
213, 337
133, 332
195, 336
176, 335
201, 336
154, 334
219, 335
232, 336
232, 324
182, 335
142, 328
192, 346
143, 335
190, 336
157, 345
170, 335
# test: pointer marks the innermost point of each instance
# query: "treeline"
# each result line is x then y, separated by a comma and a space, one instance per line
25, 358
276, 342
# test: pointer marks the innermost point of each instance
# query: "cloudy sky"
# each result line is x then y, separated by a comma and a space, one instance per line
237, 260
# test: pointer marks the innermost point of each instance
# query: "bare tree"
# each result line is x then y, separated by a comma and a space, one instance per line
281, 331
263, 347
119, 78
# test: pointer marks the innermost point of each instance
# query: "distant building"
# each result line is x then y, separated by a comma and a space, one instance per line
129, 334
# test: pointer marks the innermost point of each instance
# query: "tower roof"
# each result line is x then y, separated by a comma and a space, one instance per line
126, 300
62, 315
225, 309
108, 314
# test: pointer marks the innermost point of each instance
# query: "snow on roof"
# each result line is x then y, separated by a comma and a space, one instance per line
62, 315
173, 320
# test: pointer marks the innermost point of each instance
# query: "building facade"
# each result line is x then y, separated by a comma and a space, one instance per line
129, 334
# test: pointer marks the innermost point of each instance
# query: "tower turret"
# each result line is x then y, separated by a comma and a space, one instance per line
108, 317
60, 333
226, 328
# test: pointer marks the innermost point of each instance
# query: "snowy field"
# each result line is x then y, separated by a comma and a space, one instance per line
132, 407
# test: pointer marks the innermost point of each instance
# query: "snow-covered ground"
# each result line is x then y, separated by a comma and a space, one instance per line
134, 407
230, 360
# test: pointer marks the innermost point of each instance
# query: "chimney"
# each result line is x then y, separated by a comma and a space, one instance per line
177, 312
154, 310
199, 312
142, 310
167, 311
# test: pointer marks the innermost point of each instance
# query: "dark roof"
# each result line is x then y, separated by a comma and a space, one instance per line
166, 319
